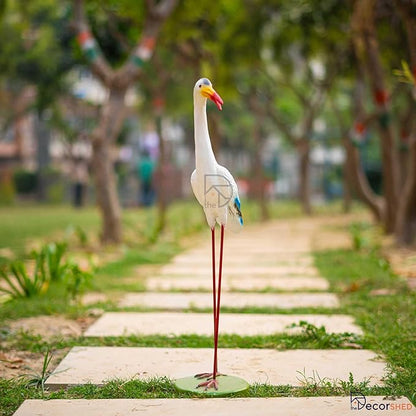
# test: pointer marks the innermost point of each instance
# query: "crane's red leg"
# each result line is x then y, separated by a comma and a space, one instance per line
212, 378
217, 318
214, 298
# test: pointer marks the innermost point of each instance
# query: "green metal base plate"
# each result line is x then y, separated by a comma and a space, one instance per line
226, 385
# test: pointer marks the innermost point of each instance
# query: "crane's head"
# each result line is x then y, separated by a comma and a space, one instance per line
203, 87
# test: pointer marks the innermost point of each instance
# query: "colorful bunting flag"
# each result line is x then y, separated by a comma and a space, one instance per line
87, 43
144, 51
359, 134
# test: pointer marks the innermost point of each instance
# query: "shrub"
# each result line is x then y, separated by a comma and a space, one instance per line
25, 181
7, 189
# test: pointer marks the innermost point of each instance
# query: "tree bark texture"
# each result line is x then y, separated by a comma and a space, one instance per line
406, 216
347, 184
367, 50
361, 185
303, 148
162, 202
258, 182
103, 142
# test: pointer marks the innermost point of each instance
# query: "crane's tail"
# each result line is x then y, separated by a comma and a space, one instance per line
235, 218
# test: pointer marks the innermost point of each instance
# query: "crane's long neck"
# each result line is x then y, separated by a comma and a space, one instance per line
204, 156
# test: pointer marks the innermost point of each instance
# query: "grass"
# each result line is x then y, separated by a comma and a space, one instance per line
388, 319
22, 223
310, 338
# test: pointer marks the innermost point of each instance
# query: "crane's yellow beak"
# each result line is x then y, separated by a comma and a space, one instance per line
209, 92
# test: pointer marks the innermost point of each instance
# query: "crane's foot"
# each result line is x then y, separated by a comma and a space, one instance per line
212, 383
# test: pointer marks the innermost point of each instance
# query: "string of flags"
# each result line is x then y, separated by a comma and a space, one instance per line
144, 51
88, 45
359, 134
381, 98
142, 54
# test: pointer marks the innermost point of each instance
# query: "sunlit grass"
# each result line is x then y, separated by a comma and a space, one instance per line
383, 306
19, 225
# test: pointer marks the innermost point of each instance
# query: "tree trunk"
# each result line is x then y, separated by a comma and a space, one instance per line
406, 216
103, 140
347, 173
43, 136
361, 185
162, 202
367, 50
106, 190
258, 182
303, 147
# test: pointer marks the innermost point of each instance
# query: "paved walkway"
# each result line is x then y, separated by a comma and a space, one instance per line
265, 266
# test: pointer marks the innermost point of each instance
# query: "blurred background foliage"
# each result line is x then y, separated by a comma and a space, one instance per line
287, 70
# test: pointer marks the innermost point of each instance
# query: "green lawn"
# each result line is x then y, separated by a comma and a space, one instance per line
19, 225
383, 306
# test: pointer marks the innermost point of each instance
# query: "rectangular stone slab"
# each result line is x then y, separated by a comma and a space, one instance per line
190, 258
271, 406
253, 270
97, 365
177, 323
257, 249
237, 283
232, 300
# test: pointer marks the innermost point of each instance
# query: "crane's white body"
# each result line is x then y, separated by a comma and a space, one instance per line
213, 185
216, 190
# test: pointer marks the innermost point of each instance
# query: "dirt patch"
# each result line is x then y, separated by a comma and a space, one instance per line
48, 326
402, 262
15, 363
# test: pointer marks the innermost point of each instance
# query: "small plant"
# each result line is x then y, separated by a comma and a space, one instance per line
77, 280
359, 241
82, 235
20, 284
313, 383
38, 379
50, 265
324, 339
54, 253
365, 237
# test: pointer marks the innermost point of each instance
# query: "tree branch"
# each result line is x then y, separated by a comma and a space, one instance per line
280, 123
97, 63
155, 17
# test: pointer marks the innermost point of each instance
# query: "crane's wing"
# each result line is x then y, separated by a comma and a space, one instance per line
235, 218
199, 193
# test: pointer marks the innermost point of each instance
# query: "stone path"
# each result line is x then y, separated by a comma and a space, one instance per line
243, 283
99, 364
117, 324
291, 406
262, 260
230, 300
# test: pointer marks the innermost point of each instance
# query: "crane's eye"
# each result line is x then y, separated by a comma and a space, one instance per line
200, 85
